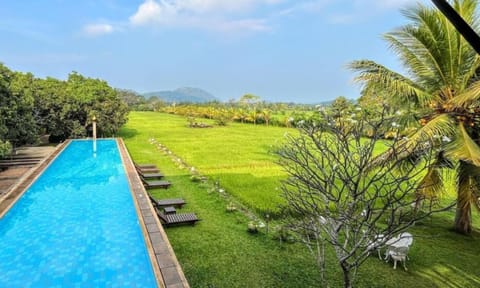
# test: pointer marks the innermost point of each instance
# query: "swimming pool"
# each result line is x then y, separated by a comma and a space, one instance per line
76, 226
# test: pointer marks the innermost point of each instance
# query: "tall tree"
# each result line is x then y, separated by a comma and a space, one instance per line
49, 101
16, 107
5, 76
249, 100
441, 83
22, 128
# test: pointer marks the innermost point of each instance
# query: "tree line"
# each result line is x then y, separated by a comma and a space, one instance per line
32, 107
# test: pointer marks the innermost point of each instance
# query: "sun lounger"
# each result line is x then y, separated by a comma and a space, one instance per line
175, 202
141, 166
151, 175
4, 163
19, 160
146, 168
23, 157
156, 184
149, 171
177, 219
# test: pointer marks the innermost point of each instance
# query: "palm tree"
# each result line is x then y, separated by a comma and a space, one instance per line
441, 82
267, 115
252, 116
241, 115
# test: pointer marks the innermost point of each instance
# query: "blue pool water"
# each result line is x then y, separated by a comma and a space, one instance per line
76, 226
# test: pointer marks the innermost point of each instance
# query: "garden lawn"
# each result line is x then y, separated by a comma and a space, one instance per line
237, 156
218, 252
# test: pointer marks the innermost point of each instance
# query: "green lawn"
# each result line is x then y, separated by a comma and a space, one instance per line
236, 155
218, 252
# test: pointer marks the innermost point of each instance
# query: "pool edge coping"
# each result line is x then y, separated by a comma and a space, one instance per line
167, 269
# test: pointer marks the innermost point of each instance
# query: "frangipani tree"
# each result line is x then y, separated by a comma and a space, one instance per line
337, 201
441, 82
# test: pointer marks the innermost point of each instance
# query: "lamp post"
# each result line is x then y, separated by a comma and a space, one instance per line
94, 126
94, 123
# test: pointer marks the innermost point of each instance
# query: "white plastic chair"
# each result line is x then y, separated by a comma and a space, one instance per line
398, 254
398, 247
376, 244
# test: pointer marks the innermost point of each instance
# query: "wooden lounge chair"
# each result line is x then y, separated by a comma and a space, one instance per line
23, 157
156, 184
147, 176
19, 160
141, 166
177, 219
175, 202
150, 175
5, 163
146, 168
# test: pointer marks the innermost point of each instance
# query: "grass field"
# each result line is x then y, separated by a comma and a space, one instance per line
218, 252
236, 155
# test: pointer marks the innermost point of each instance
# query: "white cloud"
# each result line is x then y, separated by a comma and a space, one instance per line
311, 6
152, 12
389, 4
255, 25
97, 29
217, 15
203, 6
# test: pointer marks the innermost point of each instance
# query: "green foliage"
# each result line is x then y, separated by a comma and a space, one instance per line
31, 107
277, 114
441, 88
5, 148
132, 99
16, 107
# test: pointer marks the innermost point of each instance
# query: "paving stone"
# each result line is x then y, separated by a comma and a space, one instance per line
171, 276
165, 260
156, 238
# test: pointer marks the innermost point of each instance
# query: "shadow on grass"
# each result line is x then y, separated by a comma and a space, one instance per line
127, 133
450, 276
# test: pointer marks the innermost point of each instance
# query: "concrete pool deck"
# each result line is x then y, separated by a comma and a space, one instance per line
167, 270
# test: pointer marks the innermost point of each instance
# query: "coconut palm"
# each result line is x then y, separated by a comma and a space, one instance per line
267, 115
441, 82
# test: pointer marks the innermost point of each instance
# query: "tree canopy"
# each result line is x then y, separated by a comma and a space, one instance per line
31, 107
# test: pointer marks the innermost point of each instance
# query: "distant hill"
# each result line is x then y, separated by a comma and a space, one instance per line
181, 95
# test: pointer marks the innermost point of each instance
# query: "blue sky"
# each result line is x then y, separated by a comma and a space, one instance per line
280, 50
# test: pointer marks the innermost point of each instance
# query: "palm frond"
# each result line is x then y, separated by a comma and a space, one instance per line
401, 43
380, 77
470, 96
435, 129
439, 126
464, 148
432, 185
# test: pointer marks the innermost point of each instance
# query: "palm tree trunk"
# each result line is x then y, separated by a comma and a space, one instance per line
463, 215
463, 219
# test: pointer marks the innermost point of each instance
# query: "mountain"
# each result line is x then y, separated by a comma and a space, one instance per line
184, 94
